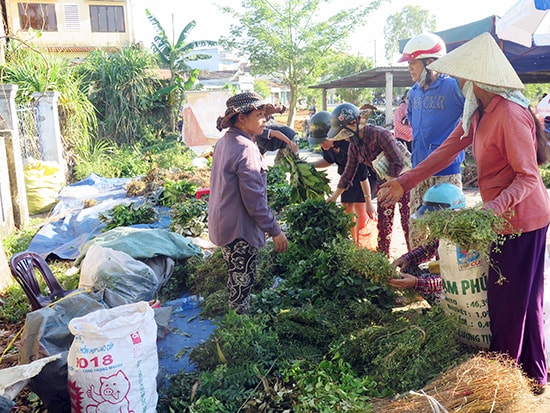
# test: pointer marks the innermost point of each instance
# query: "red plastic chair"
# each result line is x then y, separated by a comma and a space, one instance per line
24, 268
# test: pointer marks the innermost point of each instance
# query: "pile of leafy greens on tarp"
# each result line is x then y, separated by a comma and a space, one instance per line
321, 334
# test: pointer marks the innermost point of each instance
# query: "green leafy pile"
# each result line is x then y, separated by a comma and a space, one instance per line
306, 182
314, 222
189, 217
278, 189
175, 192
122, 215
471, 228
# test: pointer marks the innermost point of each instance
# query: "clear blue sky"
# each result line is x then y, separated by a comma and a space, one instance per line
211, 23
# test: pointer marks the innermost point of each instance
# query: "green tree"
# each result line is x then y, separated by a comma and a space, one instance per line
289, 42
121, 86
174, 54
342, 65
410, 21
33, 71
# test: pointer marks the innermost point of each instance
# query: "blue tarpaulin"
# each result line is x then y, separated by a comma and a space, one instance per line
75, 218
187, 330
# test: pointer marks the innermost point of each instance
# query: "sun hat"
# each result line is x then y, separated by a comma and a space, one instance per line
245, 102
479, 60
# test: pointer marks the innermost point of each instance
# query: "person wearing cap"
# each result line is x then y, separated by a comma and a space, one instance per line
366, 143
508, 145
238, 214
336, 152
434, 109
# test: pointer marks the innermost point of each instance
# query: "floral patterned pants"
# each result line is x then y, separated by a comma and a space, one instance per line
241, 259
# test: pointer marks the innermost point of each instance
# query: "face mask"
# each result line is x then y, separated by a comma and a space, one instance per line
423, 75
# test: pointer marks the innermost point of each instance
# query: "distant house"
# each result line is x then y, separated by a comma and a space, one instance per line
227, 69
70, 27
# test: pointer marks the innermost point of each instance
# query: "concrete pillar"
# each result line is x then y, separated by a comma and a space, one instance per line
49, 129
8, 109
389, 100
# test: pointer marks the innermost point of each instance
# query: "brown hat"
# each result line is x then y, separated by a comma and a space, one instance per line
245, 102
479, 60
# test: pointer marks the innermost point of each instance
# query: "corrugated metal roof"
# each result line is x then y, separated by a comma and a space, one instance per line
370, 78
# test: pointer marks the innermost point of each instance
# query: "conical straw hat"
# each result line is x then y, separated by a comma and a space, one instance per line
479, 60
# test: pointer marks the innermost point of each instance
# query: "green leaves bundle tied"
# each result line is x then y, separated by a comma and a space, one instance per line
306, 182
471, 228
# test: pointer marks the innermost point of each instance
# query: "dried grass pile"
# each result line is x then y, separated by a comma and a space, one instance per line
485, 383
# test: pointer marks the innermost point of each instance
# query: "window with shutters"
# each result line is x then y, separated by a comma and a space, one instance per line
37, 16
72, 17
107, 19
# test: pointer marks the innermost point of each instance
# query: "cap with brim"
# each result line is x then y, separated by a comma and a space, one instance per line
479, 60
245, 102
339, 134
316, 141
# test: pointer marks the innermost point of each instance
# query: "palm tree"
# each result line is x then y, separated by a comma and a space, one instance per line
174, 55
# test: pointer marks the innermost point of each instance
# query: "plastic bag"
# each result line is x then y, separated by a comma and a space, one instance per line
124, 279
368, 235
114, 349
43, 181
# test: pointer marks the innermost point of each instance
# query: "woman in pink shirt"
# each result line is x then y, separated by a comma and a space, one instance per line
401, 128
508, 145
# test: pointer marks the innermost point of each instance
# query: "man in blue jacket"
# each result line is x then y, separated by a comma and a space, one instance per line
435, 108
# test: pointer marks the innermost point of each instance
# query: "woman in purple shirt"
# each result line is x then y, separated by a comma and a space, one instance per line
238, 214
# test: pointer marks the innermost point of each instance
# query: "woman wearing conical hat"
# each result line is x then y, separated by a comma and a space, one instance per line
508, 145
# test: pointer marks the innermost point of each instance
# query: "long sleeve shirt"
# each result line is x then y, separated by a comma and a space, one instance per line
237, 206
421, 254
373, 141
401, 130
503, 140
433, 113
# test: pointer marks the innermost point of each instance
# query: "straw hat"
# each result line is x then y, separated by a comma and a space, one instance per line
245, 102
479, 60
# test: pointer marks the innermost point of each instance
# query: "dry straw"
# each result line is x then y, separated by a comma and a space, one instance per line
483, 384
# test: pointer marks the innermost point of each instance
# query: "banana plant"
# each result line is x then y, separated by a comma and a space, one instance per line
174, 55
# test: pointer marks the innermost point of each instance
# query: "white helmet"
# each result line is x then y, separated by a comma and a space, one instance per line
423, 46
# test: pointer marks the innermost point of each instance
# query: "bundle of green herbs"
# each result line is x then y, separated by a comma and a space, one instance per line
471, 228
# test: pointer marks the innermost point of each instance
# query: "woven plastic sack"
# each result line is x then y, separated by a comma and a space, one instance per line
43, 181
464, 278
113, 361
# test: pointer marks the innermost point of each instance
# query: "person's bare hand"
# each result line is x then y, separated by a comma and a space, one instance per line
293, 147
371, 211
389, 193
280, 242
406, 281
400, 262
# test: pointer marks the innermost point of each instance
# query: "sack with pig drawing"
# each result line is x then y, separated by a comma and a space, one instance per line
464, 279
112, 362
